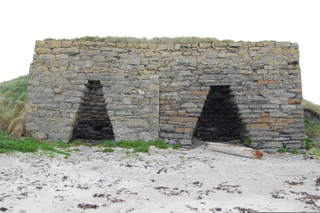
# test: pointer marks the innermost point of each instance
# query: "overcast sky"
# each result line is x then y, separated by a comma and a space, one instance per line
25, 21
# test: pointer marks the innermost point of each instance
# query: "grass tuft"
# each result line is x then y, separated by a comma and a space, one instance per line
10, 144
156, 40
108, 150
282, 150
79, 143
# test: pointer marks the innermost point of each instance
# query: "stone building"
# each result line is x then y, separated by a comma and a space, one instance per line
212, 91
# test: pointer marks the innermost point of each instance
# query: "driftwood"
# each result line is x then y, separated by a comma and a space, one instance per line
234, 150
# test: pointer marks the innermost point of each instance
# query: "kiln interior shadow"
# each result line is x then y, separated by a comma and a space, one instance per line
219, 120
93, 122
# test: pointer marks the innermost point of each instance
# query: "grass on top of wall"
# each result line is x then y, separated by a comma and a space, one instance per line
156, 40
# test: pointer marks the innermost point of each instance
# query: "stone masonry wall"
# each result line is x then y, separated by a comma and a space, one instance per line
157, 91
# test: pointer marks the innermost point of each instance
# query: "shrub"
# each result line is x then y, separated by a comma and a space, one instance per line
308, 142
295, 152
282, 150
108, 150
160, 144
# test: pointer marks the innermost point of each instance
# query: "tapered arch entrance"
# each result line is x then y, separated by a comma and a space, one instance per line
219, 120
93, 121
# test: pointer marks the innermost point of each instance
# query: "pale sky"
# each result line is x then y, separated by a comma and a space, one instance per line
25, 21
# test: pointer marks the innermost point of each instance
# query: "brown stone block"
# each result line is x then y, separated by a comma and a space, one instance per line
40, 43
267, 82
266, 120
254, 48
42, 69
88, 43
278, 129
172, 113
287, 120
279, 124
293, 50
152, 46
173, 122
260, 126
231, 54
205, 45
186, 119
182, 112
183, 130
66, 44
195, 92
53, 44
42, 50
294, 101
57, 90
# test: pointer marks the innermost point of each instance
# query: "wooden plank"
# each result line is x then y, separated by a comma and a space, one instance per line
234, 150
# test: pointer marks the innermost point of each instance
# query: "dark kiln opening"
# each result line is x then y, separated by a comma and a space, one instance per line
93, 121
219, 120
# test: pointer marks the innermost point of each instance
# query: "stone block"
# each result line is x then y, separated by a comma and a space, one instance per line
162, 47
167, 127
185, 142
294, 145
66, 44
42, 50
187, 105
205, 45
183, 130
266, 120
146, 136
273, 144
185, 119
283, 44
287, 120
136, 122
193, 92
258, 126
270, 106
40, 136
267, 82
294, 101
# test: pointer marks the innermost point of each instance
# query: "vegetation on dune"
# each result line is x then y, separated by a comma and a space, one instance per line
309, 105
312, 127
13, 95
313, 136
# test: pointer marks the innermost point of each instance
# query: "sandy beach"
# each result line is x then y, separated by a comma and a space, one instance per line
195, 180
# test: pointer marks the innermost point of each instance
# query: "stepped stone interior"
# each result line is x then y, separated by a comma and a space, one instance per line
219, 120
93, 121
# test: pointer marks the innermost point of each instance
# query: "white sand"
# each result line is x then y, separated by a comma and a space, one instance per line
196, 180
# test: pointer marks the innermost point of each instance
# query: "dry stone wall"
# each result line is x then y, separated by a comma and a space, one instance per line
158, 91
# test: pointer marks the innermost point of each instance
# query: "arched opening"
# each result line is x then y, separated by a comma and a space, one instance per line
219, 120
93, 122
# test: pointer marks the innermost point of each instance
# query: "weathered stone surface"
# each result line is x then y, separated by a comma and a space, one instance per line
154, 91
